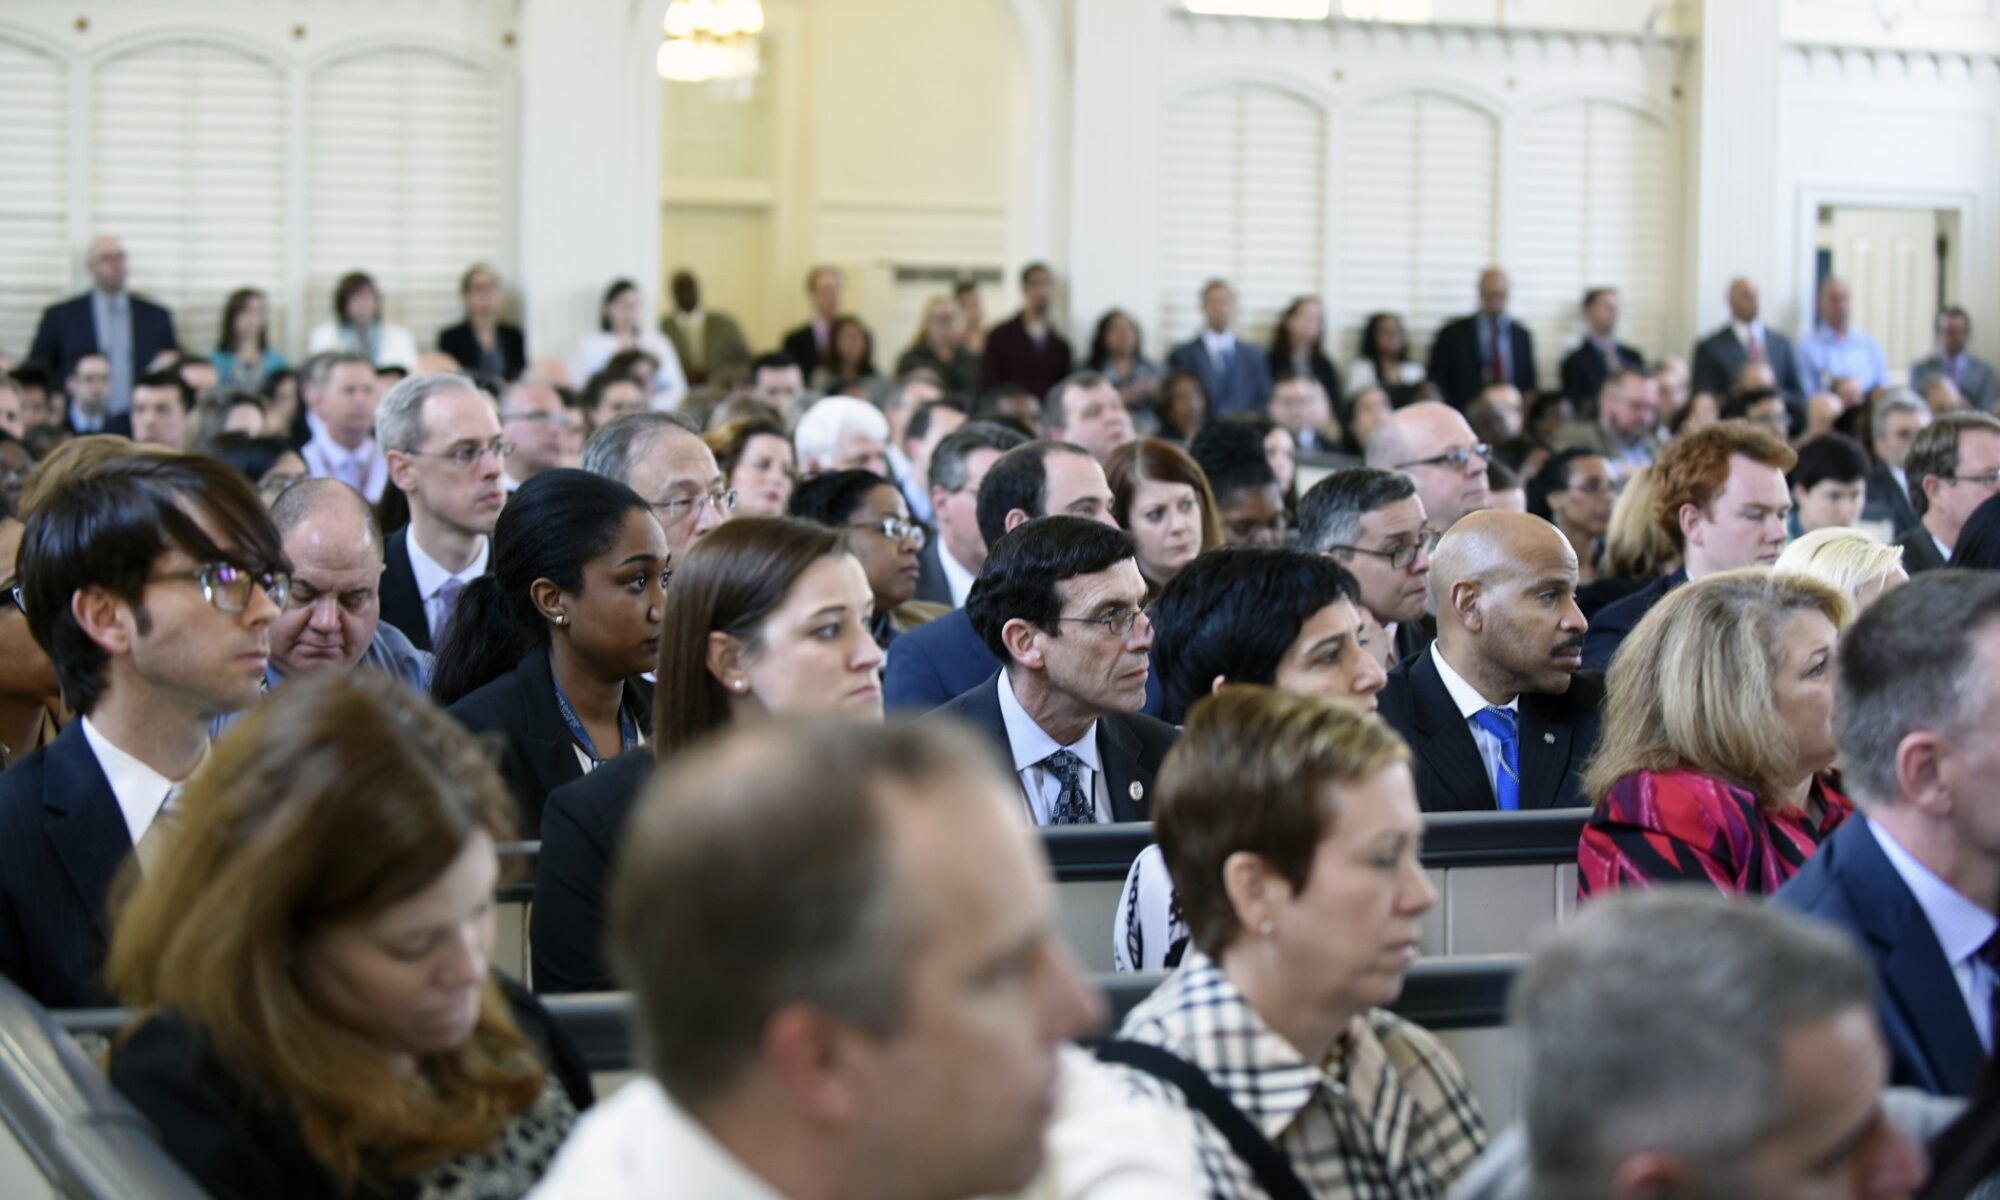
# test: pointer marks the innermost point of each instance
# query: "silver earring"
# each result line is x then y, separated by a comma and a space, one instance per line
562, 618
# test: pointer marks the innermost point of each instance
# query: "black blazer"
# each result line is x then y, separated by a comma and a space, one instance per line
1414, 637
62, 842
1558, 734
402, 604
932, 586
69, 331
1584, 372
1851, 883
459, 342
1920, 551
119, 424
1131, 746
1456, 367
1888, 500
581, 824
1612, 622
537, 755
804, 347
1719, 356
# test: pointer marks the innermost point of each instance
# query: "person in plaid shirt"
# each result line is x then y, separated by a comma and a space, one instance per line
1291, 829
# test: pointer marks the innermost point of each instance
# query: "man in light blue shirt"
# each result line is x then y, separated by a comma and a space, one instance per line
1834, 351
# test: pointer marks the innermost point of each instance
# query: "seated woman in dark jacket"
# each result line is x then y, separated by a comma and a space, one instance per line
546, 649
765, 615
310, 956
873, 517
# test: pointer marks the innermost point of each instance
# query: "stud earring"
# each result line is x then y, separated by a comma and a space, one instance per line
562, 618
741, 684
1266, 928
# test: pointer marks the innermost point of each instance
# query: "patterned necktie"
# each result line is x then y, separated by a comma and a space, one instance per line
1072, 806
447, 604
1507, 781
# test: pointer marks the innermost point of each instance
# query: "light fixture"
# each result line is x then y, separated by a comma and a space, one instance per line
710, 40
1288, 10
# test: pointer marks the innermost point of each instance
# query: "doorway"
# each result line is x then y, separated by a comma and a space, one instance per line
1902, 265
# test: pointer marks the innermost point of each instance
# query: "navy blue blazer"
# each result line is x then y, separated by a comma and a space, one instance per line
1130, 745
69, 331
941, 660
1458, 370
1246, 389
1719, 356
1612, 622
932, 586
62, 841
581, 825
1851, 883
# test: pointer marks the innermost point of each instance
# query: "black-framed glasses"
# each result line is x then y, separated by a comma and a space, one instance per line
466, 455
896, 529
1457, 459
227, 587
679, 508
1402, 557
1117, 623
1983, 479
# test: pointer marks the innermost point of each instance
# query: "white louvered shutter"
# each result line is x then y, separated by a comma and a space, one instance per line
36, 259
1591, 209
1244, 200
188, 167
1418, 201
406, 182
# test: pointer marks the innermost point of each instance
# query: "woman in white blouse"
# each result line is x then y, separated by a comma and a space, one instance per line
621, 325
358, 328
1384, 359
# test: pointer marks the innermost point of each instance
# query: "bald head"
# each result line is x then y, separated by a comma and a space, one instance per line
1504, 587
106, 263
335, 548
1493, 289
1421, 441
325, 504
1742, 299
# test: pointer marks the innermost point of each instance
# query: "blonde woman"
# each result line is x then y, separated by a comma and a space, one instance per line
1848, 560
1718, 737
1636, 550
939, 347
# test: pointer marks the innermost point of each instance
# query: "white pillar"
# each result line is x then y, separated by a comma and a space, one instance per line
589, 161
1737, 205
1117, 97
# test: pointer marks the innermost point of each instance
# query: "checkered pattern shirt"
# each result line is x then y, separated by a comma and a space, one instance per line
1387, 1115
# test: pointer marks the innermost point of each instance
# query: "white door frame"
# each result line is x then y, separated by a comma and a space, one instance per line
1812, 197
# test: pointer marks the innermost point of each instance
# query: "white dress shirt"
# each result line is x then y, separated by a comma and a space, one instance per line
141, 791
956, 577
1030, 745
1743, 330
1944, 551
431, 578
328, 459
670, 385
1962, 929
1469, 702
637, 1144
1218, 344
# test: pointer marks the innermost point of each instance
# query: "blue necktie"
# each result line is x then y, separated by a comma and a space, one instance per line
1500, 723
1072, 807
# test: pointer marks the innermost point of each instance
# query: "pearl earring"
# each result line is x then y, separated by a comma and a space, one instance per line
741, 684
562, 618
1266, 928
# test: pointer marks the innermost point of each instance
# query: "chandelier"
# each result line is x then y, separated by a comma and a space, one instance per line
711, 40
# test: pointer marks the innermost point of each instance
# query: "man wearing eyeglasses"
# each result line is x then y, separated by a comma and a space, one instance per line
1432, 444
545, 432
1372, 522
446, 453
152, 582
1627, 429
1059, 604
1954, 465
669, 465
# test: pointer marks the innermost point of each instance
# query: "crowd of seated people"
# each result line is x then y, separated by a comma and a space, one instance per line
286, 658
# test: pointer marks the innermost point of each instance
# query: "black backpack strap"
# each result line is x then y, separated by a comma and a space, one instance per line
1267, 1163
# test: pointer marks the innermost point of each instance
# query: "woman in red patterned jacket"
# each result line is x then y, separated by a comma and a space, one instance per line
1718, 739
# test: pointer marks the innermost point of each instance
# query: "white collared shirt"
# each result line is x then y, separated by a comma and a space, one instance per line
956, 577
1944, 551
1218, 344
1962, 929
431, 579
1030, 745
638, 1141
141, 791
328, 459
1470, 702
1745, 329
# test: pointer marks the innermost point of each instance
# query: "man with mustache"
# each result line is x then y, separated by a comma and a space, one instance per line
1495, 710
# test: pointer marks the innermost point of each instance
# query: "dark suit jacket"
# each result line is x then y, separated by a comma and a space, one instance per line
1612, 622
69, 331
119, 424
537, 756
1888, 501
459, 342
1458, 370
1414, 637
581, 824
1558, 734
402, 604
1584, 372
932, 586
1920, 551
803, 346
1130, 745
1248, 386
62, 842
935, 662
1719, 356
1851, 883
1011, 356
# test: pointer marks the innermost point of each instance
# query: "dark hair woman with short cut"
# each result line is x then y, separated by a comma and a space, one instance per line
310, 962
546, 649
874, 518
765, 615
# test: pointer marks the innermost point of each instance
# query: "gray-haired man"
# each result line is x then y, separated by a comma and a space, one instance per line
442, 438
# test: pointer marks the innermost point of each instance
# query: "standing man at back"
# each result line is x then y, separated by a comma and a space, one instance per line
127, 330
1026, 350
812, 342
1485, 348
1238, 377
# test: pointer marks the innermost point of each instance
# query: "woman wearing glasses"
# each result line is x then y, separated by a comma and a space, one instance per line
1574, 491
765, 616
30, 699
873, 516
546, 648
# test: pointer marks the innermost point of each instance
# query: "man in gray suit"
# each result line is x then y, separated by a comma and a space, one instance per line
1974, 377
1721, 356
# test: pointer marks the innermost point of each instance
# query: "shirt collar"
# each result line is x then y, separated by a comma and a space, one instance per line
1217, 343
1463, 694
1744, 330
140, 790
956, 576
1944, 551
1962, 927
431, 576
624, 1147
1029, 743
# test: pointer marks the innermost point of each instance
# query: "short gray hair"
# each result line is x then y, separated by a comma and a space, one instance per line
948, 459
1331, 510
818, 433
399, 415
1898, 400
1907, 664
1654, 1021
1052, 404
615, 446
319, 368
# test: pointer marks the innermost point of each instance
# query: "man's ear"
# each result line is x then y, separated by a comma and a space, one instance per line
1016, 517
1023, 640
810, 1056
1921, 772
1464, 598
1691, 518
105, 618
402, 470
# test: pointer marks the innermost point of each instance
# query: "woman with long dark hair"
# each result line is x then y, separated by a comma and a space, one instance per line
622, 325
358, 326
243, 356
1298, 344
